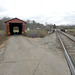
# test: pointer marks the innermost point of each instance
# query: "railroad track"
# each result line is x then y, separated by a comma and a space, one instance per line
68, 44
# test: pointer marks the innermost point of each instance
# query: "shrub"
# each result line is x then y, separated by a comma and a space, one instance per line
36, 33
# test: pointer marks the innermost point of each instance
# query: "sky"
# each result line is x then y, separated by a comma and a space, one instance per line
44, 11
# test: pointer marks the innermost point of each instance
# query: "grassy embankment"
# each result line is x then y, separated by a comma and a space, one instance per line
2, 36
71, 31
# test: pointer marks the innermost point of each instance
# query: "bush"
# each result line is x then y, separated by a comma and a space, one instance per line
36, 33
63, 30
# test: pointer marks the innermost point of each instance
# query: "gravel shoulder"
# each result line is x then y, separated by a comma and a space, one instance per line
28, 56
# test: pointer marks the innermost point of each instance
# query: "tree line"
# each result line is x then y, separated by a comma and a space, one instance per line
29, 24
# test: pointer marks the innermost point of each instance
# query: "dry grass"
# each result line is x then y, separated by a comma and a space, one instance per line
70, 29
71, 33
3, 37
36, 33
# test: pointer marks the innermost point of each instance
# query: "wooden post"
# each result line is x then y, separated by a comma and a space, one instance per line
8, 32
23, 29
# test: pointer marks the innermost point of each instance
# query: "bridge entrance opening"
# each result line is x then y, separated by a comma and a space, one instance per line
15, 28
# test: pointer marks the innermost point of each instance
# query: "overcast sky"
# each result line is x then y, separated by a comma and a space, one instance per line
50, 11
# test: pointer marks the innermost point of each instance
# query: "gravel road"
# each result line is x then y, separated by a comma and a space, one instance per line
27, 56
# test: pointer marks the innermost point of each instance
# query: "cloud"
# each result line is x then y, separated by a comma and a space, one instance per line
58, 18
70, 19
50, 11
2, 9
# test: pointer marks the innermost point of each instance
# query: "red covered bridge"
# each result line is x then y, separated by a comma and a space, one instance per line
15, 22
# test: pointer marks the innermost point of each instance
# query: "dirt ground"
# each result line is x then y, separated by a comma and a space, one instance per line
71, 33
3, 37
3, 44
32, 56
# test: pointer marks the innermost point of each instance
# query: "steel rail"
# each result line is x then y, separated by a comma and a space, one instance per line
71, 38
70, 63
67, 36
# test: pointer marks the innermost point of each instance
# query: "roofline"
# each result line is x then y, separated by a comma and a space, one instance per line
15, 18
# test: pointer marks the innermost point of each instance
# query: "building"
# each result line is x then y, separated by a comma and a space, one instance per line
13, 24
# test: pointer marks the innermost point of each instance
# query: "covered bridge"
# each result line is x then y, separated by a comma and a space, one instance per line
17, 24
